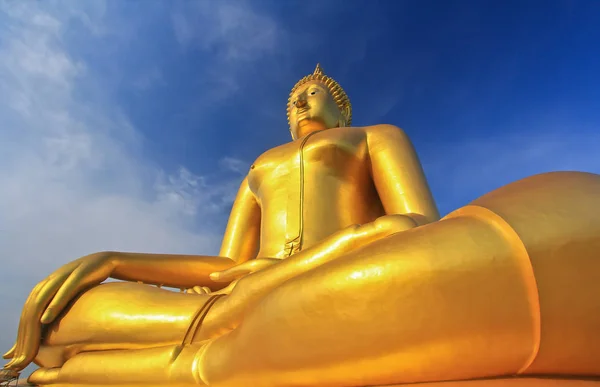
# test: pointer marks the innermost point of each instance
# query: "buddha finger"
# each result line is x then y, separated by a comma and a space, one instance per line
30, 328
33, 322
55, 283
236, 272
9, 354
24, 322
229, 274
29, 333
47, 295
201, 289
17, 362
42, 294
85, 275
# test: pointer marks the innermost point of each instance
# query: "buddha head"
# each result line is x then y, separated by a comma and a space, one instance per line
317, 102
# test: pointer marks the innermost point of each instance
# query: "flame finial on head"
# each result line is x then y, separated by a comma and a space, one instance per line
318, 70
339, 95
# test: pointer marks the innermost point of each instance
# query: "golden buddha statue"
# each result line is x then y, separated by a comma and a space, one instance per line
335, 270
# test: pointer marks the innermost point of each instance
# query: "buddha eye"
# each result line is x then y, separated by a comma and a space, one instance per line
313, 92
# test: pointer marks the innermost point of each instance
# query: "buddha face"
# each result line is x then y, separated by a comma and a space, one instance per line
313, 108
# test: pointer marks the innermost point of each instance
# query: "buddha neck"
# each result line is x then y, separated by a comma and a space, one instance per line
306, 127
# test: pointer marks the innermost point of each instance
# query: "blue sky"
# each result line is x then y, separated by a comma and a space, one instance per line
127, 125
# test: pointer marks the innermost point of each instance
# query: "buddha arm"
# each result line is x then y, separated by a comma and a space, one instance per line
242, 235
179, 271
239, 245
398, 175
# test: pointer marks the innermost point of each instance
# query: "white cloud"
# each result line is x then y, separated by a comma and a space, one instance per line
71, 178
188, 194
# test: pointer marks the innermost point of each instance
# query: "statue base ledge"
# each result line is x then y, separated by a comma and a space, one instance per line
510, 382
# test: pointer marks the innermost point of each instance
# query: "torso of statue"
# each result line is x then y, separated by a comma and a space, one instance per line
312, 187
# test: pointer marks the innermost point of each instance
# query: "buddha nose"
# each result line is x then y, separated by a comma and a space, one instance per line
300, 103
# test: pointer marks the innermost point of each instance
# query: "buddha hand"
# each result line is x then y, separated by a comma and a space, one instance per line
50, 297
234, 274
238, 271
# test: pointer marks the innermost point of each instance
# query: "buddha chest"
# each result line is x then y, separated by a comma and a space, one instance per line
297, 183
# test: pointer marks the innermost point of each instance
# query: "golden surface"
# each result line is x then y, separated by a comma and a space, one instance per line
335, 270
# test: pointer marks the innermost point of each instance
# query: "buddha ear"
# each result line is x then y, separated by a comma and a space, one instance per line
343, 120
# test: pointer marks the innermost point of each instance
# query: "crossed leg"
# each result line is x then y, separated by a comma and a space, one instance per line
126, 325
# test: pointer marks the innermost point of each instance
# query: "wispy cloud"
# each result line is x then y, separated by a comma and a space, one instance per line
72, 178
234, 165
231, 31
148, 78
232, 36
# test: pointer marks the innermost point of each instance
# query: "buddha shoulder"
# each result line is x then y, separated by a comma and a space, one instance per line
384, 132
379, 132
374, 136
